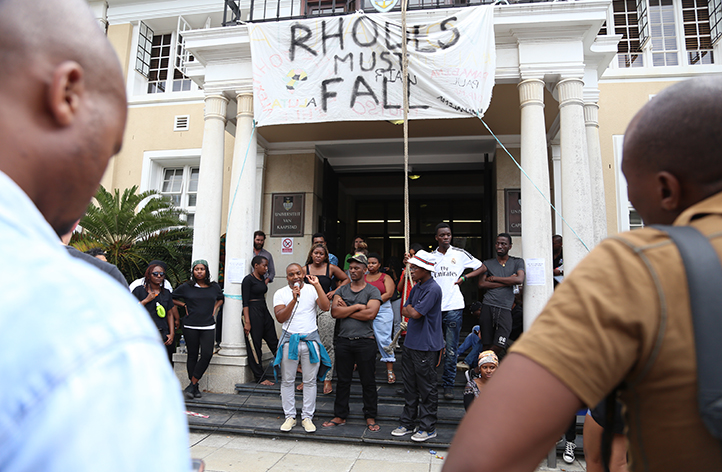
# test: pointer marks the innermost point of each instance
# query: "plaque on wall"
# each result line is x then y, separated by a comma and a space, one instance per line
288, 211
512, 206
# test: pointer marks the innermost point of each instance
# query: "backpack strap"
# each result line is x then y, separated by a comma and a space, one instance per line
704, 278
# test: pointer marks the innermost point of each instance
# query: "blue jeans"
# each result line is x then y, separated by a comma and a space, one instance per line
451, 324
473, 356
470, 342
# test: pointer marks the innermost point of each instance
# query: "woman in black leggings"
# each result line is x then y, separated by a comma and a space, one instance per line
257, 321
201, 299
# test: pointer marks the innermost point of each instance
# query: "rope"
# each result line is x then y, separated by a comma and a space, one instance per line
405, 74
533, 183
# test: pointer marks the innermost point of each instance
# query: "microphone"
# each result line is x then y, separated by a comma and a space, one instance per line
296, 284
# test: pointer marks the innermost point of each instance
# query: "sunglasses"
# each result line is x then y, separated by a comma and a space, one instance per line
158, 274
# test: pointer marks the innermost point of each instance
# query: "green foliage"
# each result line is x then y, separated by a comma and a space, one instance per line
132, 235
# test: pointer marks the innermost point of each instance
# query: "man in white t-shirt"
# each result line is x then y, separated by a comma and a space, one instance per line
451, 262
295, 307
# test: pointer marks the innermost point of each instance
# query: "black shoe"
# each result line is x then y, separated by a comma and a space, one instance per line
196, 391
449, 393
188, 391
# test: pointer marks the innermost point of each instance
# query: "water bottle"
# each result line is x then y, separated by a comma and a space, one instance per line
182, 346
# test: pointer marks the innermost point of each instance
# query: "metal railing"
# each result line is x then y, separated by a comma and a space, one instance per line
237, 11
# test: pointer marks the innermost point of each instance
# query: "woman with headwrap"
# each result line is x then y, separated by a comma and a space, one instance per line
158, 301
476, 378
201, 298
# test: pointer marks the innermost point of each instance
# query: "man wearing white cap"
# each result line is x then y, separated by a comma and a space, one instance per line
422, 348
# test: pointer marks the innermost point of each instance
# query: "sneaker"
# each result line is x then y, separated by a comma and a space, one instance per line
401, 431
188, 391
568, 455
449, 393
423, 436
462, 365
288, 424
196, 391
308, 425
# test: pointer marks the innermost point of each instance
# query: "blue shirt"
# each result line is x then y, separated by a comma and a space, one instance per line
425, 333
333, 260
86, 384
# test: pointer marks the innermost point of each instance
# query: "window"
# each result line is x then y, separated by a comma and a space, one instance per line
715, 19
629, 52
181, 185
161, 60
145, 41
173, 173
661, 33
696, 24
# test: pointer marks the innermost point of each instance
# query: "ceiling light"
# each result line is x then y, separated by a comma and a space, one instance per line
414, 176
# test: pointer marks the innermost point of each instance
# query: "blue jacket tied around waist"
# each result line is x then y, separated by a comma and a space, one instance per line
293, 340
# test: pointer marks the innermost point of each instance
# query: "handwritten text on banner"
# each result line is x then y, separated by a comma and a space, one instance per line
349, 68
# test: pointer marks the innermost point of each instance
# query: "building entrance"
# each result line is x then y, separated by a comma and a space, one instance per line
370, 204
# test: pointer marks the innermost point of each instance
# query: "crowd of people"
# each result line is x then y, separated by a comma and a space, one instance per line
85, 383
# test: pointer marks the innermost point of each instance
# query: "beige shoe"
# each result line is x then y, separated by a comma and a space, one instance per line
308, 425
288, 424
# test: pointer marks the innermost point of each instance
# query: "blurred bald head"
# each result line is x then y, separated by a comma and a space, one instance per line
63, 104
672, 149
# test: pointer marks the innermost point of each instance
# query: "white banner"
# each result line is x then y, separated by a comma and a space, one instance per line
348, 68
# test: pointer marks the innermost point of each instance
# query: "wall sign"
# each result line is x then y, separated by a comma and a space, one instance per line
348, 67
512, 206
288, 214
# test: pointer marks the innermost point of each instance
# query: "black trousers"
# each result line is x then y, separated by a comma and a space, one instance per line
198, 340
262, 329
495, 324
361, 352
421, 398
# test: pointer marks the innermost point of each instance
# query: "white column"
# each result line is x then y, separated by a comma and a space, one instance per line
557, 176
241, 223
576, 187
207, 224
260, 170
536, 223
596, 174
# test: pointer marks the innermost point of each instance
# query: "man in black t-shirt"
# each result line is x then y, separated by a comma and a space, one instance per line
355, 306
499, 277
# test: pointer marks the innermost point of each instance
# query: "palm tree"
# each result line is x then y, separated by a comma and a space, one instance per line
135, 228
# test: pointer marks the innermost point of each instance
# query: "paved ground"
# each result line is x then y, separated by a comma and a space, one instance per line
231, 453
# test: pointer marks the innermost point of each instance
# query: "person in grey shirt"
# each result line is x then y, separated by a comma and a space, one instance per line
355, 306
259, 239
498, 279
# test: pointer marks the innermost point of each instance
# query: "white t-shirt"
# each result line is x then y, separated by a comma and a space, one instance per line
304, 316
447, 271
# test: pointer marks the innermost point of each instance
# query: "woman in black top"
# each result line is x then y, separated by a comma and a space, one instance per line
257, 320
158, 301
317, 264
201, 299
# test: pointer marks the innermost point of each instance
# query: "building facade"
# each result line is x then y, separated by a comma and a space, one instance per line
569, 77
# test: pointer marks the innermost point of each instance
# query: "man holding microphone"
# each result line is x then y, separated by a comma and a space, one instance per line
295, 306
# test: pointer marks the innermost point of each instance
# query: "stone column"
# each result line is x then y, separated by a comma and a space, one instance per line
596, 174
241, 224
207, 225
536, 220
557, 179
576, 187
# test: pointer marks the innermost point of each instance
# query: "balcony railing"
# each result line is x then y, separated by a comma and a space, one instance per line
237, 11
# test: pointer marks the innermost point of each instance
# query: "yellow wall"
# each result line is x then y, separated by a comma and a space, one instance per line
618, 103
120, 37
